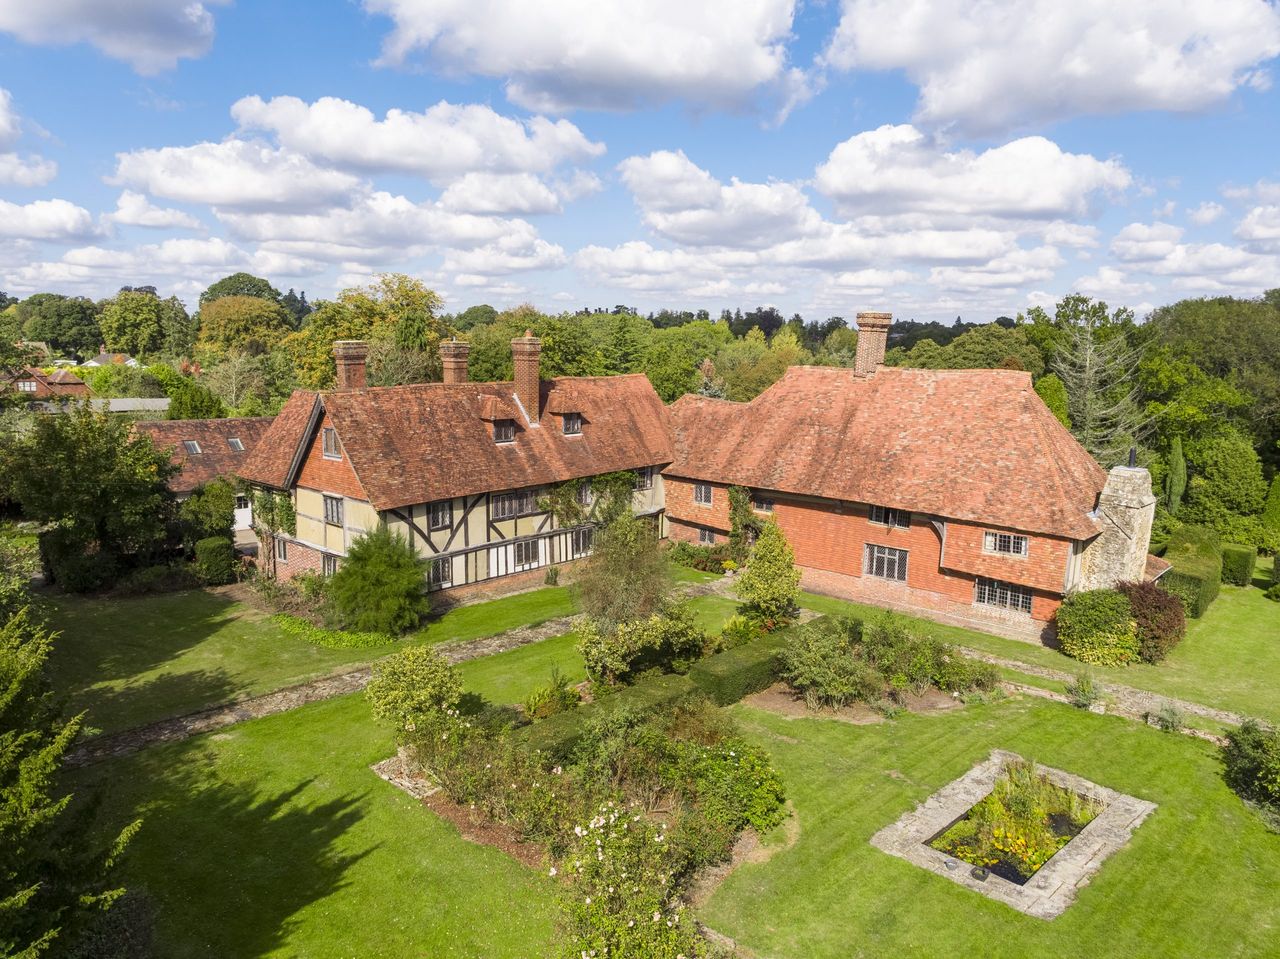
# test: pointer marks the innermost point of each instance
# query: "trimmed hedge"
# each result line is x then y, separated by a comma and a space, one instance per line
215, 560
1237, 564
1196, 555
329, 638
557, 736
1098, 627
729, 676
1161, 618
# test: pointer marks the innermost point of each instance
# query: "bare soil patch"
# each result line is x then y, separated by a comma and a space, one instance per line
781, 700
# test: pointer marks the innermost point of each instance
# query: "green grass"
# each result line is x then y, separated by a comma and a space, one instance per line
683, 574
1200, 877
710, 613
1229, 659
273, 838
134, 661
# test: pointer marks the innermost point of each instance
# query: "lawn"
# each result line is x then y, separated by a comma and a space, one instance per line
1201, 877
133, 661
273, 838
1230, 658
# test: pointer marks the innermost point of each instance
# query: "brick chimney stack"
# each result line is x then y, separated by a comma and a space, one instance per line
453, 354
873, 334
351, 356
525, 351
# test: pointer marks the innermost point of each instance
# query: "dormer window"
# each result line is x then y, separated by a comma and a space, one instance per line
26, 386
235, 444
329, 439
572, 424
504, 431
888, 516
192, 447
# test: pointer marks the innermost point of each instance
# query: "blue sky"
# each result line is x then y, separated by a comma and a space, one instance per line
934, 158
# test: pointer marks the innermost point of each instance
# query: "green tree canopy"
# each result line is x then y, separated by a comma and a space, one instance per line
69, 324
770, 585
131, 324
236, 322
381, 586
240, 284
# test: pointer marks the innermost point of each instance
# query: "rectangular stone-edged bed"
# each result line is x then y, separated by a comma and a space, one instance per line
1048, 893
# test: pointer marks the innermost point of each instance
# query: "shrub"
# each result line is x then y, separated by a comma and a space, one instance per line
1160, 617
552, 577
770, 585
75, 565
1237, 564
412, 684
1196, 555
1251, 758
626, 578
1098, 627
1084, 690
729, 676
708, 559
328, 638
215, 561
667, 640
157, 579
1273, 592
555, 697
1169, 719
738, 631
380, 587
818, 662
960, 674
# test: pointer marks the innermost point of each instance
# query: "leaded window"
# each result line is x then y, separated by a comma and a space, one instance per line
644, 478
333, 510
702, 494
993, 592
511, 505
706, 537
572, 424
527, 553
885, 562
441, 514
504, 431
329, 438
442, 571
888, 516
1011, 544
328, 564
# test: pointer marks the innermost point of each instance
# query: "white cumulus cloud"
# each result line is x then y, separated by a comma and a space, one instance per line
986, 67
1205, 213
1140, 242
45, 220
134, 209
19, 170
603, 54
149, 35
899, 169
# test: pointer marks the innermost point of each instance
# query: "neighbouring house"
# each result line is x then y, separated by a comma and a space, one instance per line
953, 493
33, 383
110, 359
457, 468
207, 450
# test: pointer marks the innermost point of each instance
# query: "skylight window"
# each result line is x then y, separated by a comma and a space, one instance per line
235, 444
192, 447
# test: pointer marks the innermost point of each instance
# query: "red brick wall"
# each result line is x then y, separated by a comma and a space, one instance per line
330, 476
300, 559
831, 536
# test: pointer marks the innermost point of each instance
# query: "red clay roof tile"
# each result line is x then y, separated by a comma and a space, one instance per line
216, 457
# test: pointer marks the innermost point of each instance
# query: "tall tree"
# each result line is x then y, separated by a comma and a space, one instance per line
54, 878
69, 324
131, 323
1099, 373
247, 323
240, 284
177, 329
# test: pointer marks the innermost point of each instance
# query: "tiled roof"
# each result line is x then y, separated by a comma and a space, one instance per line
1156, 567
975, 445
216, 457
431, 441
64, 378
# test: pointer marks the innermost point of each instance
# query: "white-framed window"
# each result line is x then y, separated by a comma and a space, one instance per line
706, 537
885, 562
441, 514
572, 424
887, 516
328, 564
191, 446
333, 510
511, 505
761, 503
1008, 544
282, 549
504, 431
993, 592
644, 478
526, 553
235, 444
242, 502
702, 494
442, 571
583, 495
580, 541
27, 386
329, 439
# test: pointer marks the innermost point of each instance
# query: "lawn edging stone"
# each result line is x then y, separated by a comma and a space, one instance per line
1053, 888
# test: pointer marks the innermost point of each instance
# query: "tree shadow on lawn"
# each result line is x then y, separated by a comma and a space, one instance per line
229, 867
112, 709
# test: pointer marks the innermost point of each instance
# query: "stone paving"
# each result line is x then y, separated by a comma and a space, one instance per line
1053, 888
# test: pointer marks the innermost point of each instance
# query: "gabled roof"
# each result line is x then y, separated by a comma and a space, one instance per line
975, 445
64, 378
432, 441
110, 359
216, 457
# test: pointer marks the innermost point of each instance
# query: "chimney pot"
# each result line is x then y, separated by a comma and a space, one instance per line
525, 351
453, 355
351, 357
873, 335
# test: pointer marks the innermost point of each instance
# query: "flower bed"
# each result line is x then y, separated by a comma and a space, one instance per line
1020, 825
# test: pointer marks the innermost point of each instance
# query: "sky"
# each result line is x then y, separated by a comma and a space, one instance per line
932, 158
